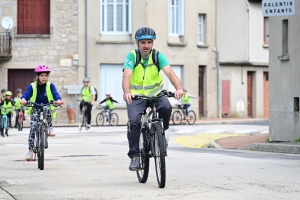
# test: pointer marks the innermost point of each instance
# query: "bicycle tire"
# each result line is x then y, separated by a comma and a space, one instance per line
5, 126
20, 122
42, 146
159, 157
100, 119
143, 170
81, 123
177, 118
2, 132
191, 118
114, 119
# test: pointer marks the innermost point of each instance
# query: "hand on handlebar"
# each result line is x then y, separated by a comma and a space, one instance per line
178, 94
59, 102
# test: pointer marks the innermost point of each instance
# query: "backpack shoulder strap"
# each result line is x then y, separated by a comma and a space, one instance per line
137, 57
155, 58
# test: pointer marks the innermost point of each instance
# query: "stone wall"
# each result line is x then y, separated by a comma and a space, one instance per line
30, 50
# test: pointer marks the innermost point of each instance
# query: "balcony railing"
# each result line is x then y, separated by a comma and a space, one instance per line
5, 45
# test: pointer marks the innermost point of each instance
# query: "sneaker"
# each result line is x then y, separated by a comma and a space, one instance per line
110, 123
89, 126
29, 156
51, 132
134, 163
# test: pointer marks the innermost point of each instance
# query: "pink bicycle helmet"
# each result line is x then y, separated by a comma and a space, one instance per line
42, 68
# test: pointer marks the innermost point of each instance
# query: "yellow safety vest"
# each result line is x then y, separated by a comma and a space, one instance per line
186, 99
18, 106
145, 80
8, 107
49, 97
110, 104
86, 94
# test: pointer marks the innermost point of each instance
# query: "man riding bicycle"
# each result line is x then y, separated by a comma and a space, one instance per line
143, 78
109, 101
88, 96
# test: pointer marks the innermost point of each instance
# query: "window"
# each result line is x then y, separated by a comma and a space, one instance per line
111, 82
33, 17
266, 30
115, 16
176, 17
285, 37
201, 29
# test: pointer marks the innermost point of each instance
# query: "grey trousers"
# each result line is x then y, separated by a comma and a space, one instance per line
134, 111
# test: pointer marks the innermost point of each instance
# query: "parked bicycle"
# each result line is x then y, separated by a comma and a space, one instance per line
4, 121
179, 115
20, 119
83, 116
103, 117
153, 142
41, 135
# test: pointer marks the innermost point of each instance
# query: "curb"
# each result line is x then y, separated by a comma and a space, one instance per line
213, 144
276, 148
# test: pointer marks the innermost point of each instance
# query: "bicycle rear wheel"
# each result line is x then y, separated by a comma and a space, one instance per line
177, 118
41, 146
114, 119
100, 119
191, 118
143, 170
20, 122
160, 163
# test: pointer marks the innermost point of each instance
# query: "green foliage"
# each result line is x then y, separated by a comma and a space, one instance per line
297, 140
234, 114
267, 140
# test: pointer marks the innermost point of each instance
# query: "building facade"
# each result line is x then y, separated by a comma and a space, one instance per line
284, 80
242, 44
185, 35
40, 32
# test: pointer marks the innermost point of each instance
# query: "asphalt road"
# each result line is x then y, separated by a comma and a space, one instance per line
93, 165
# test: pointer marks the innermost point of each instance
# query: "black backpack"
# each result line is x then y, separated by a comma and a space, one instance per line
154, 58
96, 95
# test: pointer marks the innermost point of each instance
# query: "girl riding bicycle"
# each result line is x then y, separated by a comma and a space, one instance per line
8, 103
42, 91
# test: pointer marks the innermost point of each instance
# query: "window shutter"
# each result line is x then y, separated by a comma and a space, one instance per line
180, 19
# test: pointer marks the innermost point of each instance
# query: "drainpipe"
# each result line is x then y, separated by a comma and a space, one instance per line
86, 39
247, 31
218, 79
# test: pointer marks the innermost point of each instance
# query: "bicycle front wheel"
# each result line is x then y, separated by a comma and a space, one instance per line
100, 119
177, 118
191, 118
42, 146
20, 122
160, 162
114, 119
143, 170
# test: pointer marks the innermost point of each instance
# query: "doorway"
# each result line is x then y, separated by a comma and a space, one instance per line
201, 75
19, 78
249, 93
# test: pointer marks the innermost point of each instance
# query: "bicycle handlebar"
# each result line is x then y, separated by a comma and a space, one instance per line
32, 104
162, 93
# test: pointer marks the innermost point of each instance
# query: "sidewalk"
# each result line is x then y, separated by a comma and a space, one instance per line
257, 142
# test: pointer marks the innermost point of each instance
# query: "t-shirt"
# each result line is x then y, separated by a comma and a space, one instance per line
130, 61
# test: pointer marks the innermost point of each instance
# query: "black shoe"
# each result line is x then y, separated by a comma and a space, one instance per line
134, 163
10, 126
15, 126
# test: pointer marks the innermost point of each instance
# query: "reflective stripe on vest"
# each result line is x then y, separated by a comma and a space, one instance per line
186, 99
86, 94
110, 104
49, 97
7, 108
145, 80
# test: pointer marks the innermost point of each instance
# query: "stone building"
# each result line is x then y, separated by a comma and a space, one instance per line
41, 32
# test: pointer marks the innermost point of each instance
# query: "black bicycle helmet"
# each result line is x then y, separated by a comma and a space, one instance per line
145, 33
19, 90
3, 90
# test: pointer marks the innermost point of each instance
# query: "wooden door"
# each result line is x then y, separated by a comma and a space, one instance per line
19, 78
33, 16
201, 89
266, 94
249, 92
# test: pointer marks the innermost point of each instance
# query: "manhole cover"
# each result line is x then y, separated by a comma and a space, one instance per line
3, 183
83, 155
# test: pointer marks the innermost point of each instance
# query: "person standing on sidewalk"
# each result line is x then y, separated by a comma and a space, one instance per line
143, 78
18, 106
88, 96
